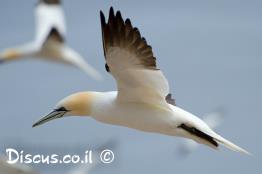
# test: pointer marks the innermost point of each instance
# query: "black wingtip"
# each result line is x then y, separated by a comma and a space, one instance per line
118, 14
101, 13
144, 39
128, 22
119, 17
111, 12
102, 19
198, 133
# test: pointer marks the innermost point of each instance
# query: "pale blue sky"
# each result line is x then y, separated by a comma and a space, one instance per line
210, 51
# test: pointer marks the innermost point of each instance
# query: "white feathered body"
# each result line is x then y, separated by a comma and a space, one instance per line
146, 117
142, 116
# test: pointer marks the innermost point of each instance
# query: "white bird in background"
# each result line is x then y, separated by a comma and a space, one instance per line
6, 168
142, 100
49, 42
213, 120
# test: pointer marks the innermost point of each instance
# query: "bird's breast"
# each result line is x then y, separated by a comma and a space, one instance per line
134, 115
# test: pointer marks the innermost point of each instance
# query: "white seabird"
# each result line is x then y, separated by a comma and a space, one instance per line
49, 42
142, 100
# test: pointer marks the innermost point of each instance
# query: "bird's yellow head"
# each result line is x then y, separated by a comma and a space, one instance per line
10, 54
78, 104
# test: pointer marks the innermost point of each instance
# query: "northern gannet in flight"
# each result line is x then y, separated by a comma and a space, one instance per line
213, 120
142, 100
49, 42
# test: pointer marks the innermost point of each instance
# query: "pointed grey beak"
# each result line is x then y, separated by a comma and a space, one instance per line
53, 115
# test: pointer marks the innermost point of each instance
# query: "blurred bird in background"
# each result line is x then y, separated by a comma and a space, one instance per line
49, 42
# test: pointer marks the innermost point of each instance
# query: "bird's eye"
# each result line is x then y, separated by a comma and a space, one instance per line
107, 68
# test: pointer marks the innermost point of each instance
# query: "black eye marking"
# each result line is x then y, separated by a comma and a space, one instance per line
61, 109
198, 133
107, 68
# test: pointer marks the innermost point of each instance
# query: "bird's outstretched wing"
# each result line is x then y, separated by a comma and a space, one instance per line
50, 21
131, 62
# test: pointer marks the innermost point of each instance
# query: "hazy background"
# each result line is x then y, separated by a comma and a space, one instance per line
210, 51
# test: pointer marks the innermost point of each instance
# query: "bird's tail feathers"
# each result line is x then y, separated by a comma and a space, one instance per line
230, 145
